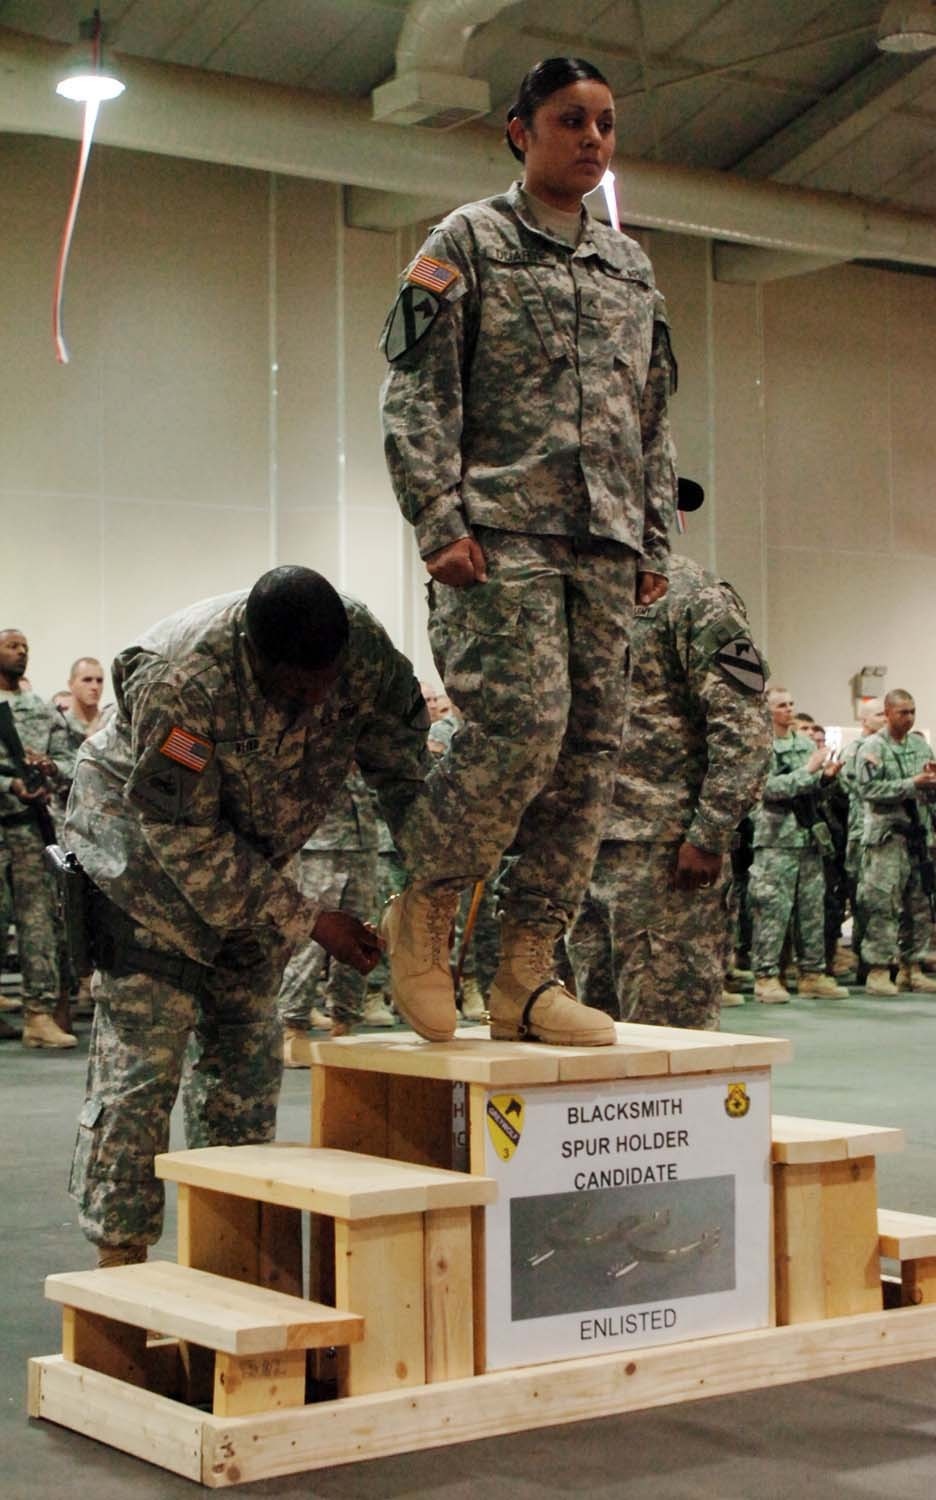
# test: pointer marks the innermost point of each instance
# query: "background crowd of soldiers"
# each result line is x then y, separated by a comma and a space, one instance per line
794, 839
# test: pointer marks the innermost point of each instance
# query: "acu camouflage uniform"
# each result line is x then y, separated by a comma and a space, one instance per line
692, 764
32, 888
526, 405
186, 812
338, 872
787, 877
895, 912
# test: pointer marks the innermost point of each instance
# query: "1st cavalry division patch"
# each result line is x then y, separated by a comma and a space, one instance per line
740, 661
505, 1123
414, 313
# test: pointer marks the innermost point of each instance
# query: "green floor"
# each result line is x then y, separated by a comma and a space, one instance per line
863, 1437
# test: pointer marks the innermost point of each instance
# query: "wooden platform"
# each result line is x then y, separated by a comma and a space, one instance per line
640, 1052
219, 1452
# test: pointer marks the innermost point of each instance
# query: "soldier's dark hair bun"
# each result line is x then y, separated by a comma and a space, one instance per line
296, 617
544, 79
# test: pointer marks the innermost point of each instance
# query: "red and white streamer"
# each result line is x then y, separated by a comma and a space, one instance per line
87, 135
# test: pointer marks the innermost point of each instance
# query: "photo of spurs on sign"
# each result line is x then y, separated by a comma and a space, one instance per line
629, 1213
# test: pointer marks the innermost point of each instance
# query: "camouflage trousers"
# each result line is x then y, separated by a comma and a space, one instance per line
787, 891
895, 914
33, 904
641, 950
338, 880
225, 1032
483, 952
536, 660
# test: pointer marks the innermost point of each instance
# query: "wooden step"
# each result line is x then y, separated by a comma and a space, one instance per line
906, 1236
339, 1184
210, 1310
258, 1336
800, 1141
911, 1240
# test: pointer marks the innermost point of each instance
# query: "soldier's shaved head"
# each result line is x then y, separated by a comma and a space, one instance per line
897, 695
295, 617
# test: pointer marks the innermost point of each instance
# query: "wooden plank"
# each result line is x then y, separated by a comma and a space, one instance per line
98, 1341
707, 1051
906, 1236
209, 1310
800, 1140
343, 1184
419, 1120
827, 1259
258, 1382
508, 1401
218, 1231
449, 1294
601, 1064
380, 1272
471, 1058
145, 1425
475, 1103
279, 1261
349, 1109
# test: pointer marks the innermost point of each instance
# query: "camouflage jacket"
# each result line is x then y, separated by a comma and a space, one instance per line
351, 821
529, 391
40, 728
78, 730
847, 776
696, 747
188, 806
775, 822
884, 778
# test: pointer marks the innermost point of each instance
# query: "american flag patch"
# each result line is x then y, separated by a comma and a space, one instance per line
187, 749
434, 275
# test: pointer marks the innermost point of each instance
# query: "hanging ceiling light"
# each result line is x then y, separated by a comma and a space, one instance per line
87, 80
907, 26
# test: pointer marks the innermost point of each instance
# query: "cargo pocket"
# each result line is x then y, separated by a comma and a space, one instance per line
481, 644
87, 1147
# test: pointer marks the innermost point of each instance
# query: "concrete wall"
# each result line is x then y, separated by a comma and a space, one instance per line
220, 415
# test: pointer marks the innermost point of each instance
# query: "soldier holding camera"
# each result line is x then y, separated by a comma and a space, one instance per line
35, 759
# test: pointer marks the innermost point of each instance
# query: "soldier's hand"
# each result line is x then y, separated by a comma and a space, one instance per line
458, 565
18, 788
45, 763
926, 778
696, 868
350, 941
818, 759
832, 768
651, 587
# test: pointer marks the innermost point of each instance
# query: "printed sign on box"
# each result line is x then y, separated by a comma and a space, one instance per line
628, 1214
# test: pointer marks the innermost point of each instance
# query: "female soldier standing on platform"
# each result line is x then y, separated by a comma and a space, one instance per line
526, 432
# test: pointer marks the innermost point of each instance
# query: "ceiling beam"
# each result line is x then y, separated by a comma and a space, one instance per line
821, 132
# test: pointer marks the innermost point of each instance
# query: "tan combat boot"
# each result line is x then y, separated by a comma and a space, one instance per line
879, 982
417, 929
911, 977
730, 998
121, 1255
40, 1030
528, 1003
376, 1011
295, 1047
473, 1007
820, 987
770, 991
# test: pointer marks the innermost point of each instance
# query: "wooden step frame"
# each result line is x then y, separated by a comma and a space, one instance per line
826, 1255
393, 1240
259, 1337
911, 1240
220, 1452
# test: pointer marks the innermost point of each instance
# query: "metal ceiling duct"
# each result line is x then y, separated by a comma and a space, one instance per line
431, 87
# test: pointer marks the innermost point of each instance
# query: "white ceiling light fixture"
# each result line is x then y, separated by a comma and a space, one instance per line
907, 26
88, 80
